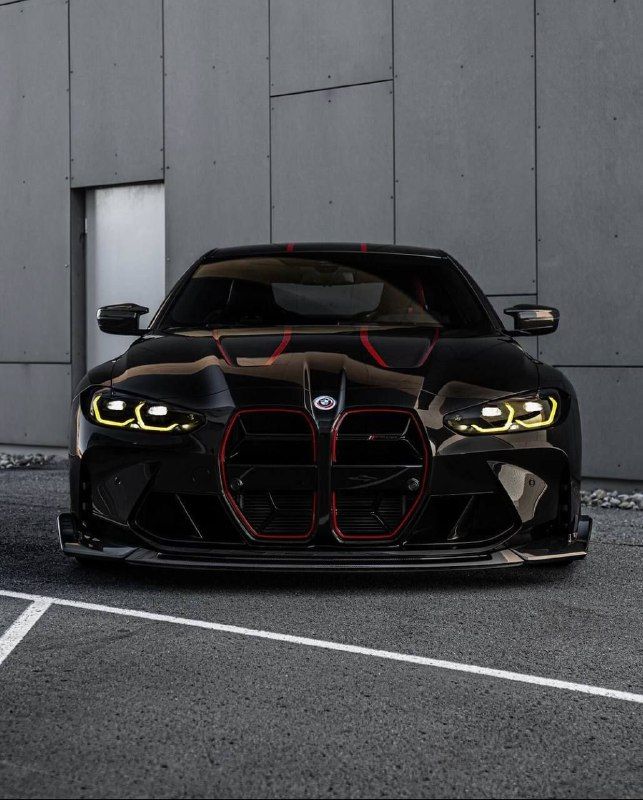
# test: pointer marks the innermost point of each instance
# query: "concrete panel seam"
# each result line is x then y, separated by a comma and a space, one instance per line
269, 125
331, 88
394, 195
535, 60
36, 363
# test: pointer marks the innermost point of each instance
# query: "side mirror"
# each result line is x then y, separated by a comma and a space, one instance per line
122, 318
533, 320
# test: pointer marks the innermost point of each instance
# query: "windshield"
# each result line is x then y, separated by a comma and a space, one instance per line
328, 289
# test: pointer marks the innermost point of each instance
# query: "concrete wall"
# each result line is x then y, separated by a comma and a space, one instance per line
34, 222
217, 127
505, 131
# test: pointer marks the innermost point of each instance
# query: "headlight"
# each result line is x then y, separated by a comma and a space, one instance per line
118, 411
513, 415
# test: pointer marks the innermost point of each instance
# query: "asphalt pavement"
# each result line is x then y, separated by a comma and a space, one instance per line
97, 704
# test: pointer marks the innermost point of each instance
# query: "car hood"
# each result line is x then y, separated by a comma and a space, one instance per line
382, 366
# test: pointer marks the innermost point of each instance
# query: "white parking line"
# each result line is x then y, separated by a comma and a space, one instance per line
16, 632
519, 677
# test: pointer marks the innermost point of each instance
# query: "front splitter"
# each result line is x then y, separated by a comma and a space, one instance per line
321, 561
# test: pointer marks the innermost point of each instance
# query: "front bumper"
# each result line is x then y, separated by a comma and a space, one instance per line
483, 503
284, 560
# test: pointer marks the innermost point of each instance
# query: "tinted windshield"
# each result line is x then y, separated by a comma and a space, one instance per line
327, 289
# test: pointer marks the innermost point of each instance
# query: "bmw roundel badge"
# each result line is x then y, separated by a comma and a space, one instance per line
324, 402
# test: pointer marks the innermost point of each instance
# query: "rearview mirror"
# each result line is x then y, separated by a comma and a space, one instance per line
533, 320
121, 318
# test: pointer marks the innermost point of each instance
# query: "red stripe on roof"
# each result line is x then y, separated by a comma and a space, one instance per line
363, 247
290, 247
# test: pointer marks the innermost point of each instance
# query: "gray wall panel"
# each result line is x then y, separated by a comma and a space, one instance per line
217, 127
611, 420
590, 178
34, 399
528, 343
332, 165
317, 45
116, 91
464, 135
453, 137
34, 182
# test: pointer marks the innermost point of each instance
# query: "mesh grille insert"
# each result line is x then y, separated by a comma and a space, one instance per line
379, 468
268, 470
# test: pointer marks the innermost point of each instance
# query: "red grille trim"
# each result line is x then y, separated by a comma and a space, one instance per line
224, 478
425, 472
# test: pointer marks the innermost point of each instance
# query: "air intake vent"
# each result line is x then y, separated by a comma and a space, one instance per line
379, 464
268, 465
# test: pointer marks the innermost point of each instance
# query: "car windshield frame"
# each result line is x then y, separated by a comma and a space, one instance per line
469, 309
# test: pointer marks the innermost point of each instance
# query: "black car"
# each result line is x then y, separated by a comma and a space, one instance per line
326, 407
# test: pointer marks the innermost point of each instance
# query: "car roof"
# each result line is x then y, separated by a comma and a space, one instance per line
317, 247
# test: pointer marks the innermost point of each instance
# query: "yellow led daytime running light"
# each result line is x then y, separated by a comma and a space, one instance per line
504, 428
145, 427
542, 423
102, 420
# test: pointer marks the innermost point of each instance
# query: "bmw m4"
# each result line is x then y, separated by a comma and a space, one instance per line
326, 407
